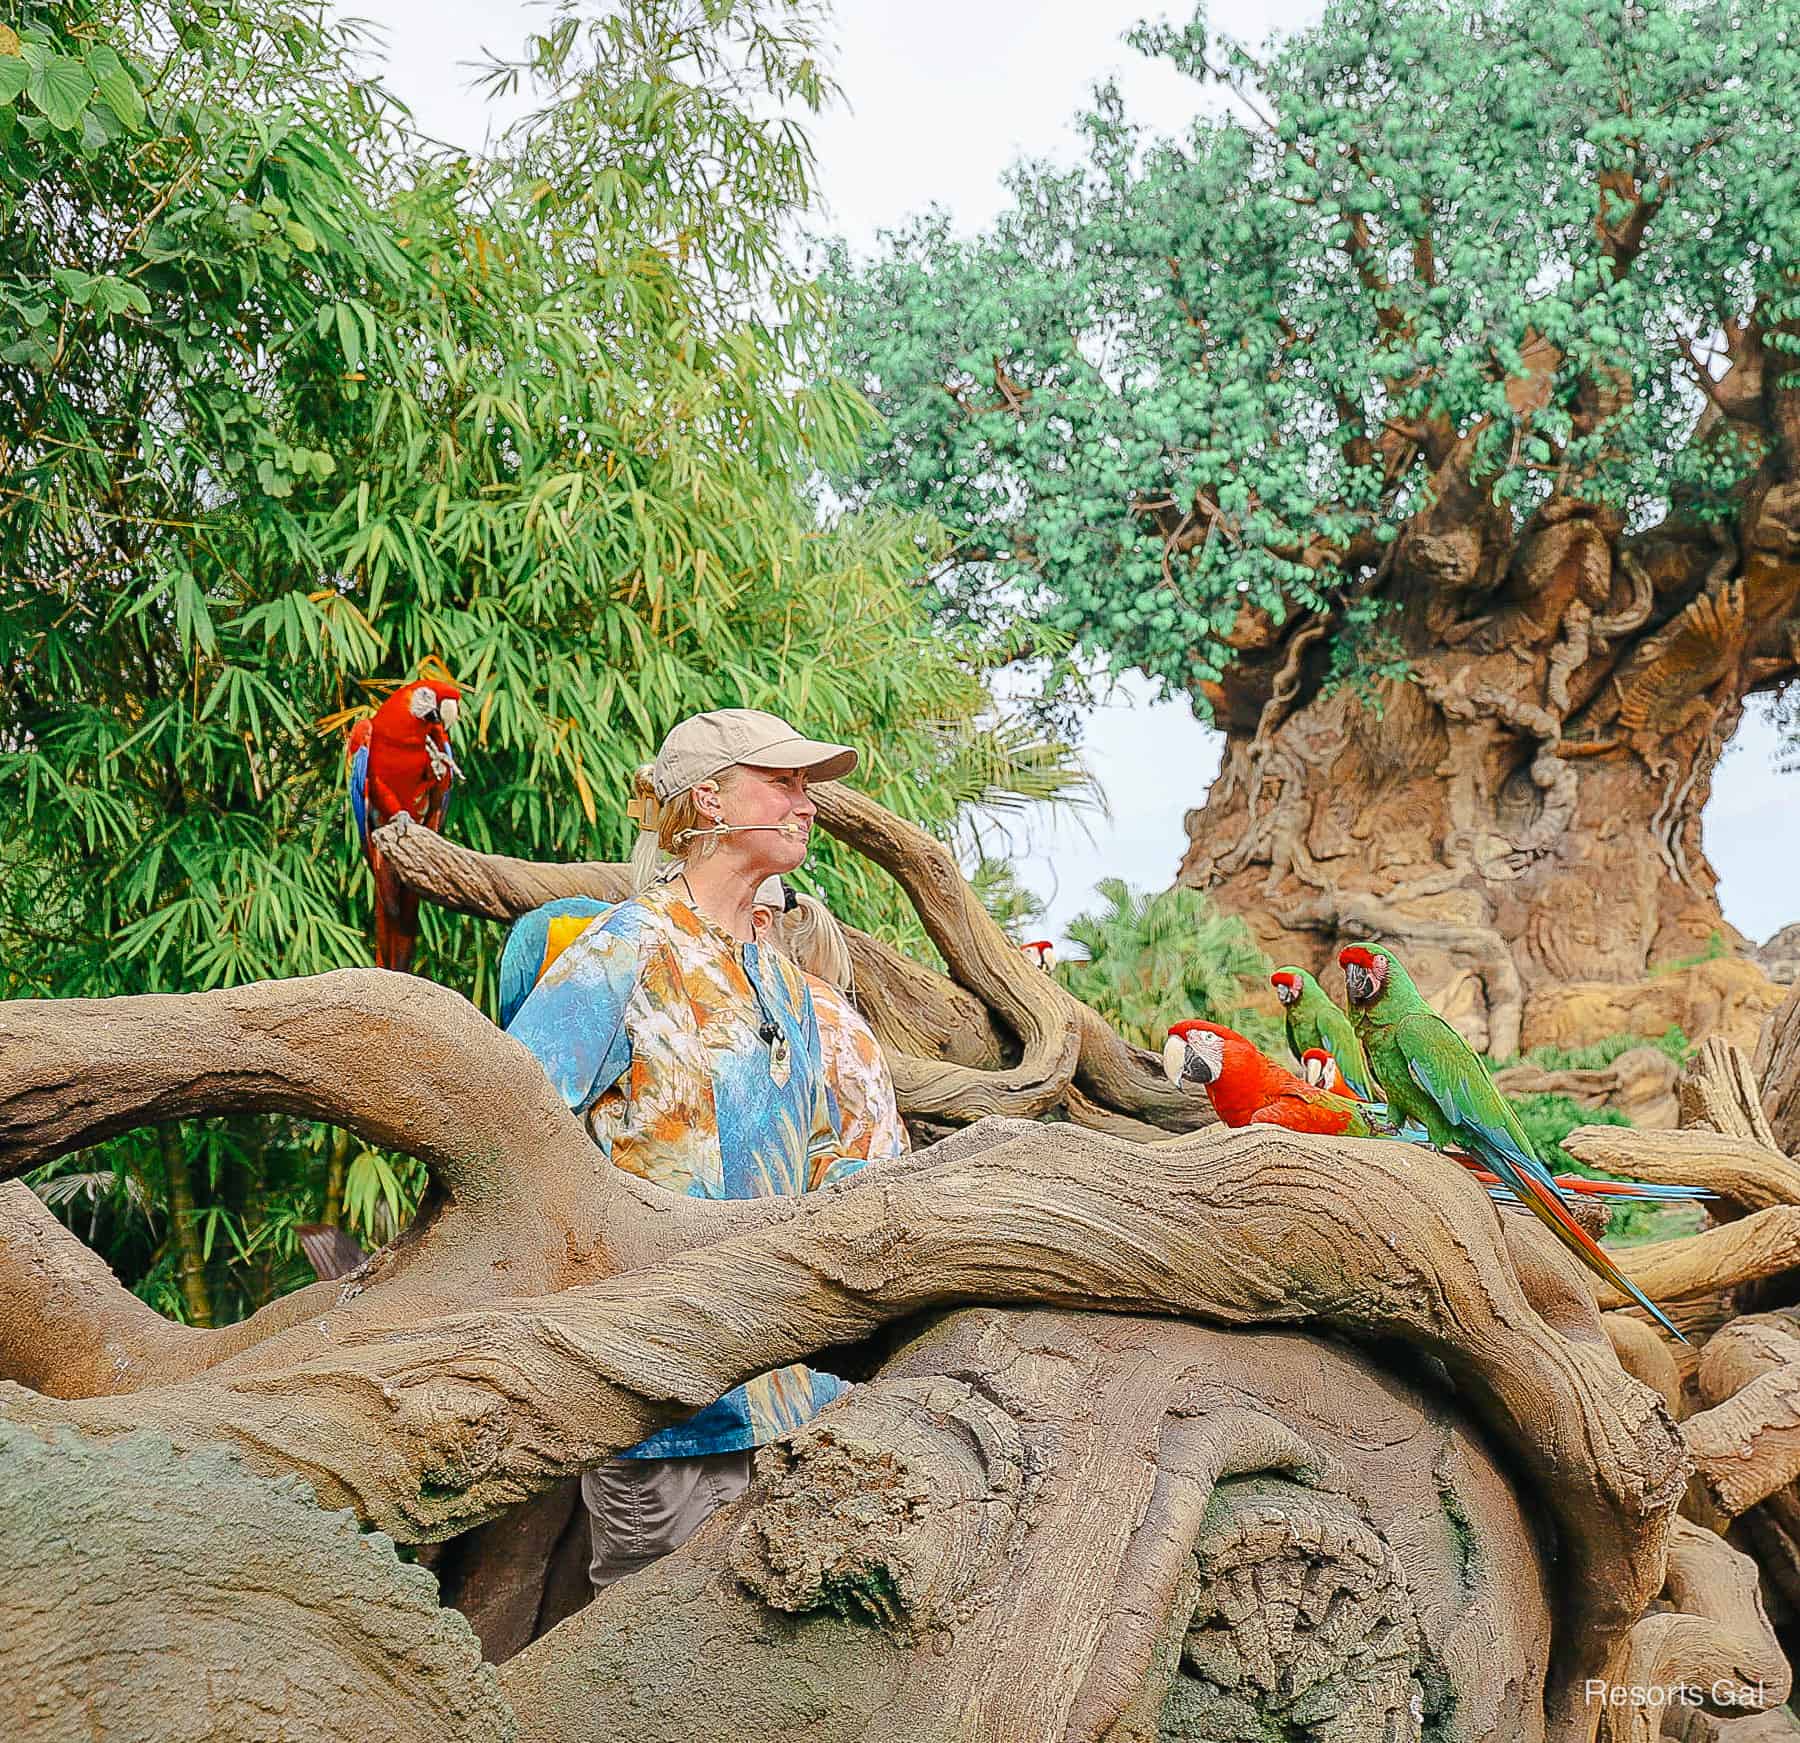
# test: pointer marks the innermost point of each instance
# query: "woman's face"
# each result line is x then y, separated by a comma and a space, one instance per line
775, 797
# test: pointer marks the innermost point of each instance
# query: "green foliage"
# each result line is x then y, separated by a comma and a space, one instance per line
291, 401
380, 1192
1156, 959
1208, 335
1597, 1055
1014, 907
255, 1178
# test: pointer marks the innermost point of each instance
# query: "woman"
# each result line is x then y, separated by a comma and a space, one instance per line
807, 932
692, 1056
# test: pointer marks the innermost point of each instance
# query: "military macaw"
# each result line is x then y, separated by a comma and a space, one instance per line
1320, 1070
1314, 1021
400, 760
536, 940
1429, 1074
1247, 1088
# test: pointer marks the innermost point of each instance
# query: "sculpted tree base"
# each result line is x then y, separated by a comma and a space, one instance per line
1062, 1525
1232, 1434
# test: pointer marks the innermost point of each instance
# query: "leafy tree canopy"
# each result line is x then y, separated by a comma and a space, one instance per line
1200, 374
292, 401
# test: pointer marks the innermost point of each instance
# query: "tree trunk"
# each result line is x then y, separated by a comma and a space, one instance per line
184, 1227
1522, 817
1777, 1069
337, 1172
1059, 1525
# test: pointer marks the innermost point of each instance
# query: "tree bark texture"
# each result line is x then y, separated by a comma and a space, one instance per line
1777, 1071
970, 1546
1234, 1433
1521, 818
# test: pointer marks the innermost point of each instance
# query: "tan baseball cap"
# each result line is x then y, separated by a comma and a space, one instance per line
708, 744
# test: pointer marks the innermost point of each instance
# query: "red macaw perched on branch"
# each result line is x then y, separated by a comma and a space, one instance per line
400, 760
1041, 952
1247, 1088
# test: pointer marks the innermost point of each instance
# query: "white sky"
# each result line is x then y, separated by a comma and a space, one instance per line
942, 95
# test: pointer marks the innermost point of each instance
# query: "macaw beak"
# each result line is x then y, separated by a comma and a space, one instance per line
1046, 959
1181, 1065
1315, 1072
1359, 984
448, 710
1286, 993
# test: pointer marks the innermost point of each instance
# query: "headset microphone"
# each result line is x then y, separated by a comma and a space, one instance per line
740, 829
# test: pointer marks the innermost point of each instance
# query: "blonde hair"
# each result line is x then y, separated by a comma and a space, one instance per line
812, 936
670, 831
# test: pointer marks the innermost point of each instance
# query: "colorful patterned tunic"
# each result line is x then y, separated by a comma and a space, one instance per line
651, 1026
868, 1117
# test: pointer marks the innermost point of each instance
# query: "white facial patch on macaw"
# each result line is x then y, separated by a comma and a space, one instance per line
422, 703
1286, 991
1196, 1057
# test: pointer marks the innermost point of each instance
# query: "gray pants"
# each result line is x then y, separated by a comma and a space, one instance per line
640, 1509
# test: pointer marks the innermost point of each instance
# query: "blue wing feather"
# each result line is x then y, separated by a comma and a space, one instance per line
520, 960
359, 791
522, 957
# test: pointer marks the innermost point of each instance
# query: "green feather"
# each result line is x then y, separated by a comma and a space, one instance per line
1313, 1020
1429, 1073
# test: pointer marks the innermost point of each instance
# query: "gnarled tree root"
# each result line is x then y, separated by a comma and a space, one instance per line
150, 1593
1746, 1443
1713, 1647
430, 1428
1718, 1091
1777, 1071
1745, 1176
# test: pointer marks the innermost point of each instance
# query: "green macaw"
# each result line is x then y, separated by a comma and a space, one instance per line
1314, 1021
1429, 1073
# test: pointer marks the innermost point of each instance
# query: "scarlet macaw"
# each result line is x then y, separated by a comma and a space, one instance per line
1313, 1021
1247, 1088
537, 940
1041, 952
400, 760
1429, 1074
